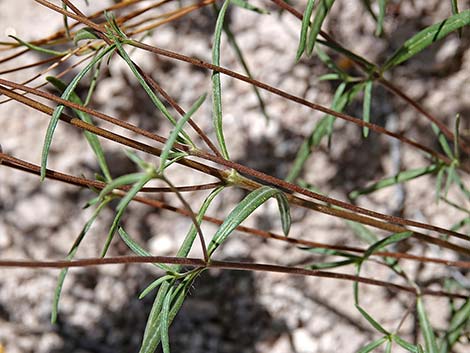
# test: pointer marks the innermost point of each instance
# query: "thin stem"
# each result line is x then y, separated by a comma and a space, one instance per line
227, 265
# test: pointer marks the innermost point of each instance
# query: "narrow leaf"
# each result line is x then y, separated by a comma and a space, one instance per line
165, 325
394, 238
121, 207
154, 285
373, 345
396, 179
304, 29
323, 8
427, 37
284, 210
333, 264
366, 107
37, 48
92, 139
372, 321
406, 345
216, 84
246, 5
426, 329
380, 19
457, 324
59, 109
246, 207
176, 131
86, 33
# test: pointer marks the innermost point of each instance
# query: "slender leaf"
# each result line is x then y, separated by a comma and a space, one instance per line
304, 29
366, 107
216, 84
70, 255
442, 141
427, 37
323, 8
165, 325
37, 48
284, 211
246, 207
406, 345
120, 181
59, 109
372, 321
136, 248
333, 264
154, 284
426, 329
246, 5
388, 347
86, 33
92, 139
457, 324
396, 179
381, 17
394, 238
121, 207
373, 345
176, 131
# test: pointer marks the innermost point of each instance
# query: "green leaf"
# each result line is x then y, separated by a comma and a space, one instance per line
120, 181
331, 252
426, 329
153, 97
37, 48
323, 8
363, 232
406, 345
366, 107
246, 207
443, 141
427, 37
189, 239
388, 347
216, 85
154, 284
304, 29
372, 321
121, 207
284, 210
333, 264
92, 139
457, 324
330, 63
394, 238
165, 325
59, 109
70, 255
176, 131
136, 248
373, 345
86, 33
396, 179
380, 19
246, 5
455, 10
241, 59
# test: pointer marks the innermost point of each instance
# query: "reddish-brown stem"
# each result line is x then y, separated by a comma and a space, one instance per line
83, 182
251, 184
227, 265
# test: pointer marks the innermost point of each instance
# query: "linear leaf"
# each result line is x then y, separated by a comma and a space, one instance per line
427, 37
60, 108
165, 325
154, 285
120, 181
92, 139
216, 85
323, 8
381, 17
284, 210
426, 329
372, 321
86, 33
373, 345
406, 345
443, 141
176, 131
304, 29
246, 5
394, 238
37, 48
333, 264
366, 107
121, 207
457, 323
246, 207
136, 248
396, 179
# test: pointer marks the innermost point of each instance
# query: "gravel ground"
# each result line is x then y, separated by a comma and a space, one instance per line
226, 311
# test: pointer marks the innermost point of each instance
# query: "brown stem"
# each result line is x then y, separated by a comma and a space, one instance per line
228, 265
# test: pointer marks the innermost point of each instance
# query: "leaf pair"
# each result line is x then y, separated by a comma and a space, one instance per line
308, 39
